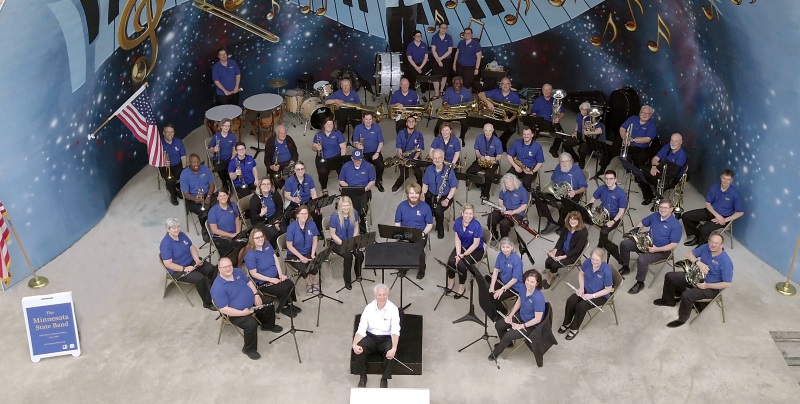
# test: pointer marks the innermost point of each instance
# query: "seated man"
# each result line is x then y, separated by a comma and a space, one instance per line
183, 261
416, 214
527, 152
359, 173
280, 151
665, 230
488, 152
723, 205
243, 172
455, 95
197, 186
368, 138
545, 119
403, 97
176, 161
439, 185
673, 159
378, 331
614, 200
717, 267
407, 140
504, 93
225, 222
643, 132
236, 297
567, 172
345, 116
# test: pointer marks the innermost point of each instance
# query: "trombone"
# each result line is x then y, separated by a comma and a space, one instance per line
235, 20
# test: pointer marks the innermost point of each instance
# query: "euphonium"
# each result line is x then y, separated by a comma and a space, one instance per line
677, 197
377, 112
591, 124
457, 111
169, 169
558, 96
643, 240
626, 141
694, 274
599, 214
557, 189
501, 109
403, 112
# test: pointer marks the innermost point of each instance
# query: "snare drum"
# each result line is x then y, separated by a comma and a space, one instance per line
294, 98
220, 112
323, 88
315, 112
387, 72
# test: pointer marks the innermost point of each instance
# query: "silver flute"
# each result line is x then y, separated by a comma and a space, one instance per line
588, 300
523, 326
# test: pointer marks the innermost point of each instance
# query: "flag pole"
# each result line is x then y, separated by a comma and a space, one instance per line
786, 288
38, 281
92, 136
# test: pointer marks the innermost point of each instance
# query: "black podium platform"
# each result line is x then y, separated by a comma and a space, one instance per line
409, 348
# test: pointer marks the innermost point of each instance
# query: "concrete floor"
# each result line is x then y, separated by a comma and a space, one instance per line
140, 348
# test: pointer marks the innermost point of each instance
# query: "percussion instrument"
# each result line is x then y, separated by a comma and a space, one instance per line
315, 112
268, 108
294, 98
220, 112
387, 72
323, 88
277, 83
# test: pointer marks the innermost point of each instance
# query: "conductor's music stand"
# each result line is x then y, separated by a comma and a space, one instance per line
486, 302
352, 245
409, 234
317, 263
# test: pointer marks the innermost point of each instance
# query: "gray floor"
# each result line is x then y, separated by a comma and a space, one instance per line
140, 348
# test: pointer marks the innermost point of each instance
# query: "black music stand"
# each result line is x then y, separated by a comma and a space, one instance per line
360, 197
486, 302
605, 148
352, 245
637, 173
409, 234
292, 330
571, 205
470, 316
317, 263
476, 179
445, 290
316, 204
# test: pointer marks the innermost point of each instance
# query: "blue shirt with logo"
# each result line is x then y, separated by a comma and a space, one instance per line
225, 219
372, 137
301, 189
720, 267
346, 229
434, 179
490, 148
234, 294
300, 237
263, 261
529, 154
468, 234
418, 216
530, 305
574, 176
450, 147
611, 200
331, 144
357, 177
594, 282
510, 268
247, 167
179, 251
663, 232
725, 203
647, 130
191, 182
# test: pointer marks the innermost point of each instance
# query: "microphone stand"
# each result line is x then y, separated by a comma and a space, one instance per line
292, 330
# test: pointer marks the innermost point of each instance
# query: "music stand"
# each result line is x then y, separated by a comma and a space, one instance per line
486, 302
571, 206
476, 179
411, 235
317, 263
352, 245
636, 172
316, 204
360, 197
292, 330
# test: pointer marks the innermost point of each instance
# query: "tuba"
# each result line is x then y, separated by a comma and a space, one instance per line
558, 96
557, 190
501, 109
403, 112
457, 111
377, 112
677, 197
643, 240
694, 274
594, 115
599, 214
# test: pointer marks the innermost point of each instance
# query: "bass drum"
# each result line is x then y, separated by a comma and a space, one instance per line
387, 73
622, 104
315, 112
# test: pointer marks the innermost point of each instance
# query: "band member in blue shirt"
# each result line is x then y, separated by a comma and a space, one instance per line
343, 226
416, 214
222, 145
455, 95
568, 172
280, 152
527, 313
439, 185
614, 200
345, 115
183, 261
543, 119
197, 186
569, 246
671, 158
368, 137
467, 62
723, 205
265, 269
590, 139
530, 154
301, 241
514, 199
407, 140
359, 173
403, 97
489, 150
330, 146
298, 190
643, 132
176, 153
442, 54
266, 209
225, 224
417, 56
505, 94
506, 278
595, 284
468, 243
226, 76
242, 171
445, 142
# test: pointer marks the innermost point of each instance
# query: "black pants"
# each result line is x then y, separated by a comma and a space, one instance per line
576, 308
277, 183
375, 343
283, 291
400, 25
227, 247
554, 265
222, 99
510, 129
249, 325
173, 185
404, 174
467, 73
324, 169
508, 335
463, 264
691, 221
526, 179
438, 210
569, 145
247, 190
675, 284
640, 157
202, 278
489, 175
462, 123
378, 163
498, 303
301, 267
221, 169
345, 117
347, 265
642, 262
603, 241
506, 224
202, 214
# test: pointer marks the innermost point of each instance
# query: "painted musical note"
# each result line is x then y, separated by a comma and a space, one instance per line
322, 10
437, 19
144, 19
556, 3
631, 25
306, 9
598, 40
512, 19
451, 4
653, 46
479, 22
272, 13
711, 10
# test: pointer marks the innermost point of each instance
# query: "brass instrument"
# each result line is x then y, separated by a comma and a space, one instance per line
453, 165
403, 112
320, 156
169, 169
519, 163
202, 195
486, 163
599, 214
558, 96
694, 274
457, 111
239, 172
626, 141
235, 20
677, 197
558, 190
643, 240
591, 124
405, 159
377, 112
360, 143
501, 109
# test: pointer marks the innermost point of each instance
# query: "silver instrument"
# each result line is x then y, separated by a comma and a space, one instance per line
201, 194
623, 154
599, 214
239, 172
677, 197
643, 240
694, 274
387, 73
195, 266
594, 115
558, 97
588, 300
523, 326
319, 153
558, 190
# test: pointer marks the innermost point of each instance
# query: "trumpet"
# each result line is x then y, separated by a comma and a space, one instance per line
169, 168
558, 96
404, 112
239, 172
626, 141
457, 111
377, 112
662, 182
202, 195
501, 109
320, 156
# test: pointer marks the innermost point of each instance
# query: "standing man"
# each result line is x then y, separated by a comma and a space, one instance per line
467, 62
723, 205
369, 139
455, 95
488, 152
226, 76
504, 94
176, 153
401, 20
546, 119
345, 116
439, 185
281, 151
378, 331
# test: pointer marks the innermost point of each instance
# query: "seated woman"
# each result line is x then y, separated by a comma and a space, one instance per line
514, 199
570, 244
530, 305
265, 269
183, 261
595, 282
301, 241
226, 228
266, 207
507, 274
469, 243
344, 225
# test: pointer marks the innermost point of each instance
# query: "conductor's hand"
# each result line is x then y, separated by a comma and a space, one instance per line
357, 349
390, 353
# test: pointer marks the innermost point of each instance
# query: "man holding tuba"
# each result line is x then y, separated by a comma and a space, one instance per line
665, 231
714, 263
591, 133
488, 152
455, 95
614, 200
546, 118
566, 172
506, 95
344, 115
723, 205
667, 165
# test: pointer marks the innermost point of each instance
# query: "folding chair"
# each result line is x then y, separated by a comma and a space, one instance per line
170, 280
226, 321
542, 337
282, 253
244, 207
211, 245
717, 299
260, 292
727, 229
670, 260
191, 218
617, 286
570, 267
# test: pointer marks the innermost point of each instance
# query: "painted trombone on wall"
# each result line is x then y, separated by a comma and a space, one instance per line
235, 20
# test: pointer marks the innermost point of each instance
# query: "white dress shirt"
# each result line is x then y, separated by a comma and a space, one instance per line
379, 321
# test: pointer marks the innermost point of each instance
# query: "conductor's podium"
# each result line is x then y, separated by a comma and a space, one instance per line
409, 349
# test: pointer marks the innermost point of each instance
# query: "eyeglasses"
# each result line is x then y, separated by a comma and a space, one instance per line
261, 237
299, 168
610, 178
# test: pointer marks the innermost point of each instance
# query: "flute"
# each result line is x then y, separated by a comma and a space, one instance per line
523, 326
553, 257
588, 300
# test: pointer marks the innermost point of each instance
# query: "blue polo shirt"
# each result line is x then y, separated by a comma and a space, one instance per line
450, 148
417, 53
725, 203
647, 130
179, 251
405, 99
357, 177
514, 199
663, 232
247, 170
529, 154
611, 200
301, 189
579, 120
720, 267
372, 136
574, 177
346, 230
451, 96
679, 157
468, 52
352, 98
406, 142
226, 145
468, 235
491, 148
331, 144
302, 238
234, 294
175, 150
225, 219
191, 182
262, 261
267, 201
530, 305
417, 217
439, 46
594, 282
434, 179
509, 268
283, 152
226, 75
497, 95
544, 108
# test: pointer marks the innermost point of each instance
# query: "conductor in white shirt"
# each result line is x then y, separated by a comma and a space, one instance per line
378, 331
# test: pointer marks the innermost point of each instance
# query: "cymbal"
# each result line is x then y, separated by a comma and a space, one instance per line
278, 83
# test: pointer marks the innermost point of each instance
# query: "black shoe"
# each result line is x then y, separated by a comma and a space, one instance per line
636, 288
210, 306
463, 141
662, 302
206, 238
384, 383
691, 241
180, 196
380, 187
274, 328
647, 202
173, 200
348, 286
440, 234
553, 153
624, 271
254, 355
545, 284
396, 186
362, 382
289, 312
420, 274
572, 334
492, 356
551, 227
563, 329
675, 323
484, 197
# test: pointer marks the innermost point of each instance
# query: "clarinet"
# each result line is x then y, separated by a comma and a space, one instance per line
441, 187
202, 261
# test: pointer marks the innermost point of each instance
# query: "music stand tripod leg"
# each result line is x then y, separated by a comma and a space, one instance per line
470, 316
292, 330
484, 337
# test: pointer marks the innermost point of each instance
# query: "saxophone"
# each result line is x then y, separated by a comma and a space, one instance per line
521, 164
484, 163
404, 159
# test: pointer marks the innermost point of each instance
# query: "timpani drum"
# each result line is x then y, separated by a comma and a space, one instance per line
387, 72
315, 112
264, 111
323, 88
220, 112
294, 99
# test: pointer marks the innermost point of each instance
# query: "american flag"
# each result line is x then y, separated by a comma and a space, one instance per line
5, 237
137, 115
